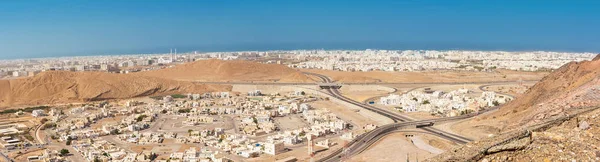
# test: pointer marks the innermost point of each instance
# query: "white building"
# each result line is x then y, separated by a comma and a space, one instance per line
255, 93
19, 73
165, 60
392, 99
38, 112
304, 107
274, 148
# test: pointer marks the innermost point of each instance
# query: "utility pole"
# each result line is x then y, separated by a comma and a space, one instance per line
520, 81
417, 157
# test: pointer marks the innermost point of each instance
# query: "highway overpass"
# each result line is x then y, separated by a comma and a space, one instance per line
364, 141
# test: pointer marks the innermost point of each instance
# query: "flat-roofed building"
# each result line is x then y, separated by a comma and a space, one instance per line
9, 143
38, 113
274, 148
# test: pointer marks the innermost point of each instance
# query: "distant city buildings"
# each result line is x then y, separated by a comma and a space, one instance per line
342, 60
429, 60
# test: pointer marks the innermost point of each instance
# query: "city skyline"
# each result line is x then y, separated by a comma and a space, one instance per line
299, 80
174, 52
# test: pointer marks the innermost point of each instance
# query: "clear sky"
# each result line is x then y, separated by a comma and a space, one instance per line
45, 28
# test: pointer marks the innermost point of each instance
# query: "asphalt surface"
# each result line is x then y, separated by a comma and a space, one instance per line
364, 141
435, 83
375, 83
37, 134
361, 143
4, 157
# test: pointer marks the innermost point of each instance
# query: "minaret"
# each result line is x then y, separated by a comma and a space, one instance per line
171, 53
311, 146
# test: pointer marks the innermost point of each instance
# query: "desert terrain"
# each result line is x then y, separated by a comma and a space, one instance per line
396, 147
571, 86
428, 77
56, 87
214, 70
577, 82
555, 120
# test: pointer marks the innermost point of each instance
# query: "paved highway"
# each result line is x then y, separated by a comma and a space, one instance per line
364, 141
482, 88
5, 157
39, 138
376, 83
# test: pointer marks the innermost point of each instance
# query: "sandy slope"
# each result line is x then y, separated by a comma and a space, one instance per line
62, 87
420, 77
237, 70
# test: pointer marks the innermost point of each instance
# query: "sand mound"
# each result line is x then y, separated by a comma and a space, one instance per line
222, 71
61, 87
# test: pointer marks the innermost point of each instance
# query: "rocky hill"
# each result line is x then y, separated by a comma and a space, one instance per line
576, 84
222, 71
62, 87
547, 123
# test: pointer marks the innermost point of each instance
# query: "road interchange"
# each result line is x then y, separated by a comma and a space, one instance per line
364, 141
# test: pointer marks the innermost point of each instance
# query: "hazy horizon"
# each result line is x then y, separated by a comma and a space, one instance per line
33, 29
182, 50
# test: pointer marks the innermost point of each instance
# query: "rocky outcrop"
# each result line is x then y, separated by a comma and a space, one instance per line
561, 111
512, 146
576, 84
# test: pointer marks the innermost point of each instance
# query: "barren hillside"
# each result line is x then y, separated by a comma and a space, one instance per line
575, 84
62, 87
222, 71
567, 138
556, 99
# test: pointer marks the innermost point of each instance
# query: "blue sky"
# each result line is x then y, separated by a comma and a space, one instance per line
61, 28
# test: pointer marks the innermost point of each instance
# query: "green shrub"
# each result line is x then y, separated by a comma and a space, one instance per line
140, 118
28, 109
178, 96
